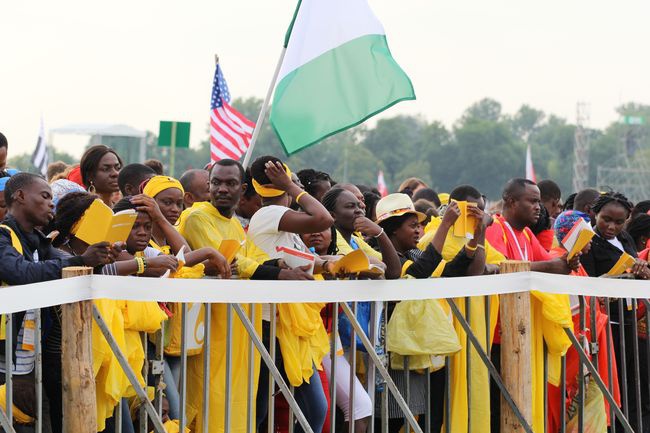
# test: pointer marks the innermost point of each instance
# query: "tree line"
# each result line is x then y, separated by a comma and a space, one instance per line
484, 147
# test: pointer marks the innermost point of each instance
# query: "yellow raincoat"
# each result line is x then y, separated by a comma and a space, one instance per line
480, 404
206, 227
345, 248
110, 382
303, 339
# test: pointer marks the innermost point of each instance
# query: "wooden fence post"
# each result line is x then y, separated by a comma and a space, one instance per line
516, 351
79, 405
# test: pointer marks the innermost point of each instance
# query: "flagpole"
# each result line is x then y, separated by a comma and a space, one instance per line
265, 106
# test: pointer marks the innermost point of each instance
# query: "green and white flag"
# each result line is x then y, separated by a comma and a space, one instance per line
337, 72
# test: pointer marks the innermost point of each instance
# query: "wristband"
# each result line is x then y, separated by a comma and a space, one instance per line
472, 249
380, 233
299, 196
141, 266
481, 246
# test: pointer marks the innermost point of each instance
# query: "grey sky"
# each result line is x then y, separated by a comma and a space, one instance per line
138, 62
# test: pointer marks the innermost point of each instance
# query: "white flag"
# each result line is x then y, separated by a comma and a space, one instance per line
40, 157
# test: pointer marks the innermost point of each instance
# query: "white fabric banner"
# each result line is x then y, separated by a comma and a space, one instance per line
20, 298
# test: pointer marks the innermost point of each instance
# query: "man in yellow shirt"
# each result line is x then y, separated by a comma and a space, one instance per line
207, 225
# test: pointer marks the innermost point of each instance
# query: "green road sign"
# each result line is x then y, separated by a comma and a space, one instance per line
174, 134
633, 120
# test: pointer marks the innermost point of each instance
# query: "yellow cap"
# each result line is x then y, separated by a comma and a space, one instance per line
158, 184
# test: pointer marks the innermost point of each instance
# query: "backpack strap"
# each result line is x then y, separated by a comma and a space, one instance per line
15, 242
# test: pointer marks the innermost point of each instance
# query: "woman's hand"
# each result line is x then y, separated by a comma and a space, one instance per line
367, 227
278, 177
157, 266
147, 204
451, 214
641, 270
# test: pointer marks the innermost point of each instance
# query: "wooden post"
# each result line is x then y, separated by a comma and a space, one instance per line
79, 405
516, 351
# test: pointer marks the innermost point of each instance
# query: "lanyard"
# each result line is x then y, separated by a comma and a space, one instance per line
523, 254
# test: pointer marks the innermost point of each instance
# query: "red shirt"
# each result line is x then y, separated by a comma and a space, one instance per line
514, 245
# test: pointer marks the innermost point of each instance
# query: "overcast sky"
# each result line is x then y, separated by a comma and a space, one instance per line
138, 62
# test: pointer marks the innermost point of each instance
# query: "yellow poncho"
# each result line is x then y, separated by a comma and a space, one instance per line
206, 227
480, 378
303, 339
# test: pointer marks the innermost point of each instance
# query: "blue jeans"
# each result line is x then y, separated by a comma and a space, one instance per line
309, 396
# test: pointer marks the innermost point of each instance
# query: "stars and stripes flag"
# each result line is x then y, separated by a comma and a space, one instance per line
40, 157
230, 131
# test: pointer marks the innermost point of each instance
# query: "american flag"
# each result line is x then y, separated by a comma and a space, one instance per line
230, 131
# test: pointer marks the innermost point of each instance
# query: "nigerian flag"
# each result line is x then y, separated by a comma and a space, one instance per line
336, 73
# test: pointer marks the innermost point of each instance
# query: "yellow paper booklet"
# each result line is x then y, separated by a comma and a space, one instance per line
356, 262
99, 224
625, 262
578, 237
465, 224
229, 248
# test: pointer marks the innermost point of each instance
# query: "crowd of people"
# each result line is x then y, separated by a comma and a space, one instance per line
270, 211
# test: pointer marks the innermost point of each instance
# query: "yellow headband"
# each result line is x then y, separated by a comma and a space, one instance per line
158, 184
269, 191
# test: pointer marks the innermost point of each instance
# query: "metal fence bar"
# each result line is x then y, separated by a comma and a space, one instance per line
407, 394
9, 367
270, 417
621, 349
353, 369
183, 377
249, 392
608, 334
581, 375
291, 420
145, 370
38, 371
447, 395
371, 371
563, 394
593, 305
206, 363
382, 370
126, 368
585, 359
637, 369
273, 370
4, 422
384, 392
545, 388
647, 340
160, 359
488, 363
468, 362
117, 414
228, 389
333, 356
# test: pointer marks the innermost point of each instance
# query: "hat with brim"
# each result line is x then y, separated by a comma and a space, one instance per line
394, 205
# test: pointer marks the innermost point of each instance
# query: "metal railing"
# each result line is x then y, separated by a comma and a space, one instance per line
631, 348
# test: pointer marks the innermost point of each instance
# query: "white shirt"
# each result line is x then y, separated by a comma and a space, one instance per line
614, 241
264, 231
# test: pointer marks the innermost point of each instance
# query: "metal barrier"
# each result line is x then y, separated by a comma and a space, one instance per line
631, 343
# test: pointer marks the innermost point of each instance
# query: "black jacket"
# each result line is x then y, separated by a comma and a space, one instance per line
603, 255
17, 269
